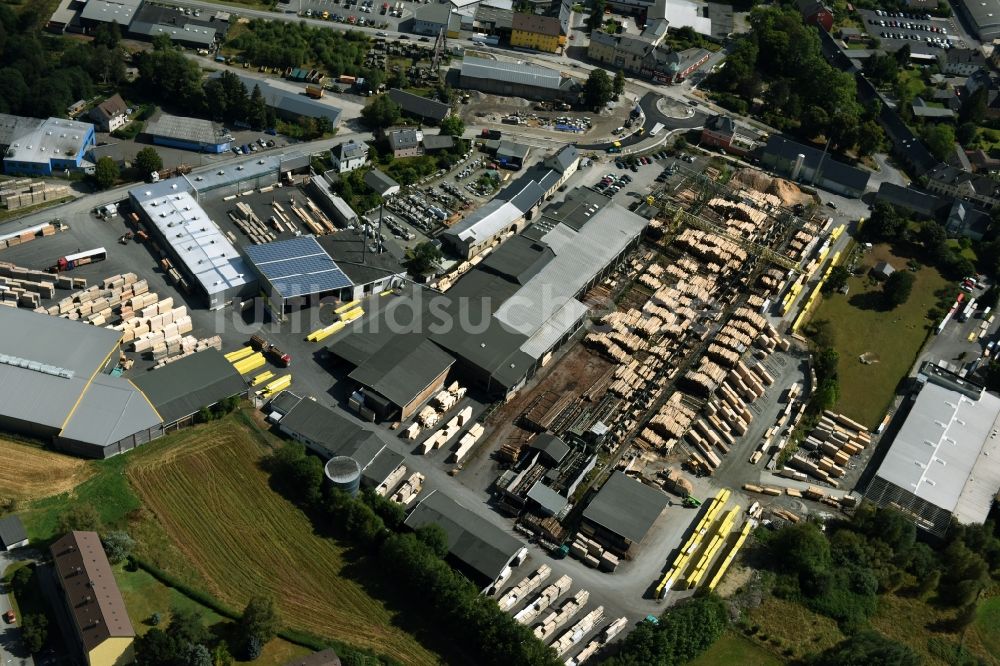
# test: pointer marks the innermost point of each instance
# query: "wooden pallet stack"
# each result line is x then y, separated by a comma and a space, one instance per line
248, 222
191, 345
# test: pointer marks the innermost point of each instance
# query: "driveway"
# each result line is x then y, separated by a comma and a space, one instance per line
12, 652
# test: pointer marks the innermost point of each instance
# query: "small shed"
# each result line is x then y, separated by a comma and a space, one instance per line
882, 270
12, 533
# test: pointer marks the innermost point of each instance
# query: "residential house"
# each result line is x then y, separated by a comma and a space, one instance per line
923, 110
962, 184
961, 62
101, 627
111, 114
541, 33
967, 221
348, 156
405, 141
816, 13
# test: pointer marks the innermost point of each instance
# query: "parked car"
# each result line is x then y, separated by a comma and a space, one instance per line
9, 617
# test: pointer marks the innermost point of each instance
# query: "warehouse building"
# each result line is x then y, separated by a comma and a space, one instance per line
419, 107
35, 146
510, 210
501, 77
250, 173
983, 17
512, 155
808, 165
328, 435
332, 204
504, 318
186, 30
196, 134
98, 12
56, 386
179, 390
944, 463
199, 249
431, 19
291, 104
369, 272
622, 513
297, 273
483, 551
102, 630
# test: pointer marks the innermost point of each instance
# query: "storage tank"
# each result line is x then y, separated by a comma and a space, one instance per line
344, 473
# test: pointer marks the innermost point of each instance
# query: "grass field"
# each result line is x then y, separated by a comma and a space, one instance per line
735, 650
144, 595
785, 623
987, 627
894, 338
238, 538
30, 472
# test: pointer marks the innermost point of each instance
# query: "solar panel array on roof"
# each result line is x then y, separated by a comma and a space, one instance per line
297, 267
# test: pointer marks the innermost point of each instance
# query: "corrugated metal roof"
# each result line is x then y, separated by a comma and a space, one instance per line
111, 410
626, 507
487, 221
471, 539
187, 129
948, 452
510, 72
181, 388
401, 369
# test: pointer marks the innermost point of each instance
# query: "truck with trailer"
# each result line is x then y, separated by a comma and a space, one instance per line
277, 356
71, 261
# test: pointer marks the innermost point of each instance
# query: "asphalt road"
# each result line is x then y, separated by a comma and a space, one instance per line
12, 652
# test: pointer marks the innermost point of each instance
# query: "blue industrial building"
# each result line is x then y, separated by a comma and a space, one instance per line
202, 136
41, 147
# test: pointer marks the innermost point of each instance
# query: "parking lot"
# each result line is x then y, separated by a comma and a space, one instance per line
922, 32
373, 13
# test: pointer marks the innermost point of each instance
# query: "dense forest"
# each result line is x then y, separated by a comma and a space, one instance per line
778, 69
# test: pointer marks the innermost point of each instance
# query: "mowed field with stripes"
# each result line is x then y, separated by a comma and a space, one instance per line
238, 538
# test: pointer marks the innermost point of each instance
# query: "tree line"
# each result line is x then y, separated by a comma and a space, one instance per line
474, 624
681, 634
781, 63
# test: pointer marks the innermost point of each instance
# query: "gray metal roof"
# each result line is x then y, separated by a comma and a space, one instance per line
544, 299
551, 446
511, 149
107, 11
381, 183
404, 137
191, 33
297, 267
487, 221
438, 141
434, 13
401, 370
564, 158
347, 248
384, 464
473, 540
985, 15
626, 507
291, 102
519, 259
111, 409
511, 72
181, 388
182, 128
550, 501
831, 169
320, 424
11, 531
947, 452
419, 106
40, 141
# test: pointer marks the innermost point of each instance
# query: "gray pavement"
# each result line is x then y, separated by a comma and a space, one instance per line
12, 651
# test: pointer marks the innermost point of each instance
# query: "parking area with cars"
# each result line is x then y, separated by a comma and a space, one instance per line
922, 32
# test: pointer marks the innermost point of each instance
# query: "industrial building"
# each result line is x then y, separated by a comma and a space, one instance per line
331, 436
102, 630
56, 386
502, 320
512, 155
297, 272
332, 204
35, 146
369, 272
983, 17
183, 29
483, 551
97, 12
811, 166
622, 513
944, 462
509, 211
431, 19
291, 104
179, 390
12, 533
501, 77
198, 247
419, 107
196, 134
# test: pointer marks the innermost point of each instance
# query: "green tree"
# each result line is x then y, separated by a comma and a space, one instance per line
381, 113
155, 648
82, 516
966, 133
619, 83
108, 35
885, 225
34, 632
837, 279
258, 624
148, 160
187, 626
868, 648
106, 173
118, 546
896, 289
598, 89
596, 18
682, 633
973, 109
423, 258
256, 115
453, 125
883, 70
435, 537
221, 655
869, 137
940, 139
